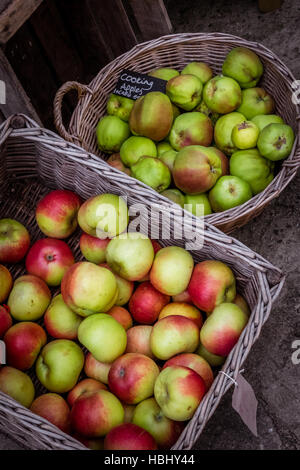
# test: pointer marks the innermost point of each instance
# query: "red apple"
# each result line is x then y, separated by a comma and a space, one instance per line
129, 436
138, 340
6, 283
195, 362
86, 385
146, 303
49, 259
93, 248
56, 213
5, 319
95, 369
53, 408
23, 342
14, 241
122, 316
183, 309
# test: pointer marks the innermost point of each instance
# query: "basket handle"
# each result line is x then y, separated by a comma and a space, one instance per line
57, 105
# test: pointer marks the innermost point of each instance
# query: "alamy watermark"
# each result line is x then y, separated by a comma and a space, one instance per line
2, 92
2, 352
296, 353
296, 92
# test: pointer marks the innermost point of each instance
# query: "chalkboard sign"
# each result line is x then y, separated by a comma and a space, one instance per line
134, 85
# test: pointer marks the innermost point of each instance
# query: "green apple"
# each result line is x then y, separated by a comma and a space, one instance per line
244, 66
223, 131
29, 298
162, 147
203, 108
103, 336
164, 73
222, 94
197, 204
185, 91
276, 141
253, 168
60, 321
174, 195
59, 365
262, 120
245, 135
199, 69
229, 191
17, 385
191, 129
135, 147
213, 359
153, 172
256, 101
168, 158
119, 106
111, 132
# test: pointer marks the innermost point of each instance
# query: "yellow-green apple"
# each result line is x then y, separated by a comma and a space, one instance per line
240, 301
191, 129
223, 158
49, 259
84, 386
222, 329
213, 359
171, 270
174, 195
195, 170
223, 131
103, 336
185, 91
173, 335
119, 106
275, 142
146, 303
132, 376
5, 320
56, 213
103, 216
182, 297
130, 255
135, 147
95, 369
54, 408
138, 340
212, 283
122, 316
195, 362
197, 204
94, 414
229, 191
111, 131
129, 436
178, 391
128, 412
149, 416
222, 94
6, 283
256, 101
263, 120
183, 309
125, 287
168, 158
87, 288
245, 135
244, 66
93, 248
17, 385
115, 161
60, 321
14, 241
59, 365
153, 172
29, 298
199, 69
163, 147
23, 343
250, 166
164, 73
151, 116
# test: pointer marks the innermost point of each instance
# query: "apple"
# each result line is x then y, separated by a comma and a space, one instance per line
93, 248
146, 303
223, 131
275, 142
192, 128
228, 192
163, 147
197, 204
87, 288
53, 408
199, 69
5, 320
263, 120
149, 416
245, 135
256, 101
244, 66
222, 94
17, 385
59, 365
111, 132
213, 359
223, 158
29, 298
185, 91
6, 283
130, 255
56, 213
132, 376
129, 436
119, 106
182, 297
195, 362
135, 147
14, 241
178, 391
242, 303
128, 412
103, 216
23, 343
60, 321
125, 287
174, 195
172, 335
183, 309
156, 246
92, 444
171, 270
95, 369
84, 386
212, 283
153, 172
164, 73
168, 158
103, 336
122, 316
138, 340
115, 161
94, 414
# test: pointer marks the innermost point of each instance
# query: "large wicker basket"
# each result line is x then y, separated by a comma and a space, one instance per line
176, 51
32, 160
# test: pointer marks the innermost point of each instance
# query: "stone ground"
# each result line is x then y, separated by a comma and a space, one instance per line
275, 235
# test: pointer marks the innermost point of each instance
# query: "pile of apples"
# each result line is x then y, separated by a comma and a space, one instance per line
126, 349
210, 143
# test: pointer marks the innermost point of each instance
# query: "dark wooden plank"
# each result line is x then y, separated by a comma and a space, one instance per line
152, 18
13, 14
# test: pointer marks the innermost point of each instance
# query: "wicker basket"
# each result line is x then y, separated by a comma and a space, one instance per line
34, 160
176, 51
